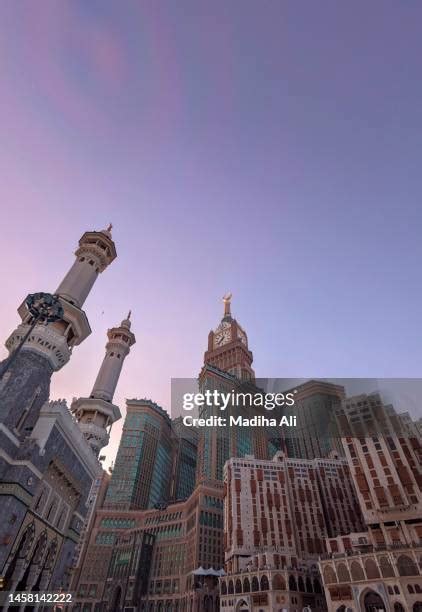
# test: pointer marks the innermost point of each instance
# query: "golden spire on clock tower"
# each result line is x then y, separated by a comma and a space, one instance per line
227, 303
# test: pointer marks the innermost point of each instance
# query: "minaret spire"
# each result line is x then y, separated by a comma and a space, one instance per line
97, 413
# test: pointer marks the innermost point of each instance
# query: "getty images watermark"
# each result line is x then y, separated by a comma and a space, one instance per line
232, 400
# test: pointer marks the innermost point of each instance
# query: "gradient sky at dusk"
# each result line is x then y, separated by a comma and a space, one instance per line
268, 148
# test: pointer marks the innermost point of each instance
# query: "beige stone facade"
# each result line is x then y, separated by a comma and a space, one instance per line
277, 515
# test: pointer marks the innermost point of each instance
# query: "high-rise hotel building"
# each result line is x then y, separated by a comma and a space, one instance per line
142, 472
380, 566
277, 515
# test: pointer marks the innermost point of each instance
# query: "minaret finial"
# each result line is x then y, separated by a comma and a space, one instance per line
110, 227
127, 322
227, 300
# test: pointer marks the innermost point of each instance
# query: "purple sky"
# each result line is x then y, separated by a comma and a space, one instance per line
268, 148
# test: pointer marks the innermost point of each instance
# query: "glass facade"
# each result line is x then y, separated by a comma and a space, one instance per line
186, 469
218, 444
159, 490
142, 472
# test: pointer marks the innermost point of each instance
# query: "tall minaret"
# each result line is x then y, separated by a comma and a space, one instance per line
26, 384
97, 413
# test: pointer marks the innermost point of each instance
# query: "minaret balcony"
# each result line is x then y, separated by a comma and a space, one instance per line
94, 404
74, 317
100, 245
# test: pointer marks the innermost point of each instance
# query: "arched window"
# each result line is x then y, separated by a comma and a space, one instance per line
417, 607
51, 555
40, 548
308, 585
246, 585
387, 570
231, 587
292, 583
20, 553
238, 586
406, 566
26, 541
329, 575
398, 607
279, 584
317, 586
255, 584
371, 569
301, 584
343, 573
418, 588
357, 571
373, 601
410, 589
264, 584
223, 588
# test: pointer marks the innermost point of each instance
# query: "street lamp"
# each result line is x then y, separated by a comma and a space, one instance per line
43, 308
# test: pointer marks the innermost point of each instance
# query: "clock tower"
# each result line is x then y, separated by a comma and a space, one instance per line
228, 346
228, 369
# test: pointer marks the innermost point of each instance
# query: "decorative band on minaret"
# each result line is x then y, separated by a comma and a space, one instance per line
97, 413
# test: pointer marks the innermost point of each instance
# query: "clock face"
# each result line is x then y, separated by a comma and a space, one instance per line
242, 336
222, 338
